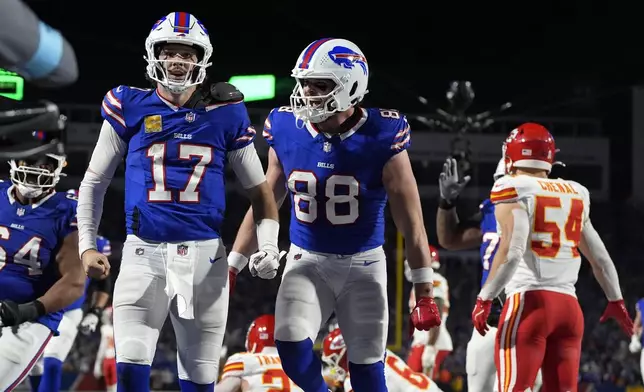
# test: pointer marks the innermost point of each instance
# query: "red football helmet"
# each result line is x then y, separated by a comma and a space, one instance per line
334, 354
531, 146
433, 252
261, 334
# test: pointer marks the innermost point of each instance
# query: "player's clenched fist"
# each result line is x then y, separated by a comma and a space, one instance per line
266, 262
425, 315
96, 264
480, 314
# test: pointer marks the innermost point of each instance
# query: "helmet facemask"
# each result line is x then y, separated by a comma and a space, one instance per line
174, 66
33, 178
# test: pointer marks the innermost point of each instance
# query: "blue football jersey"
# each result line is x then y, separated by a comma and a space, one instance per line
174, 178
335, 182
30, 238
490, 237
103, 246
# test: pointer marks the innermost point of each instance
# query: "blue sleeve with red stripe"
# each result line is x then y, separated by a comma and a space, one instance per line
395, 130
242, 133
113, 111
68, 223
104, 246
267, 132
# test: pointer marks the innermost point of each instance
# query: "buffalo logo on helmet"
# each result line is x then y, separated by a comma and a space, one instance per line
347, 58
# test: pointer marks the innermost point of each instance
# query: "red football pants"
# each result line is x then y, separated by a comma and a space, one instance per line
415, 361
539, 329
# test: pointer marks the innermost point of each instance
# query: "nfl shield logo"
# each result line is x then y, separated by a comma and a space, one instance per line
20, 211
327, 147
182, 250
190, 117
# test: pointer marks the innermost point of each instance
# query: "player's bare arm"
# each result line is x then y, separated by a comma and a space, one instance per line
250, 173
71, 284
246, 240
108, 153
454, 234
513, 219
407, 213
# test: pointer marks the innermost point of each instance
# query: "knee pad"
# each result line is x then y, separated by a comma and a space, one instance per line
133, 350
365, 351
199, 363
294, 329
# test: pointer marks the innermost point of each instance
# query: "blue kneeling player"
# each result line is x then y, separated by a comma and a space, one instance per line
40, 271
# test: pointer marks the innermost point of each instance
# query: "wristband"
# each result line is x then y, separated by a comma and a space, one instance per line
422, 275
237, 260
444, 204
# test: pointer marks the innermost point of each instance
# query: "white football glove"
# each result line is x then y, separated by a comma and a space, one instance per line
89, 324
449, 184
266, 262
636, 345
428, 359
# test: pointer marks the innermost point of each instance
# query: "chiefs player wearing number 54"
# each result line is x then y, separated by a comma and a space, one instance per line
544, 225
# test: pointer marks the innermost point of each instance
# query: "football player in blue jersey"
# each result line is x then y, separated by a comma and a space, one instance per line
177, 140
636, 339
478, 231
339, 163
47, 372
40, 271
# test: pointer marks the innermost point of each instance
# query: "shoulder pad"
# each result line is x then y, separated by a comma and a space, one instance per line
225, 92
504, 190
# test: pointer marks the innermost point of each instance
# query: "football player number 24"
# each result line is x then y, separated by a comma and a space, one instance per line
190, 193
568, 230
303, 185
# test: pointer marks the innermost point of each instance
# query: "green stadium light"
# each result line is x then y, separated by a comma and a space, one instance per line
255, 87
11, 85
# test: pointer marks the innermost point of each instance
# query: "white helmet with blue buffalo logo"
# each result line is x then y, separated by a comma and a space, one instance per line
178, 28
338, 60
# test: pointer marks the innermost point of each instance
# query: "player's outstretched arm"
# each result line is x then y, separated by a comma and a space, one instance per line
246, 241
452, 233
108, 153
71, 284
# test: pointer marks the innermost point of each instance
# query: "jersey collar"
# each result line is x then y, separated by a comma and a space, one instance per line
40, 202
314, 131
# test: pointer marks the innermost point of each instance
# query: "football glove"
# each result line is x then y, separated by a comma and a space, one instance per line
265, 263
425, 315
480, 314
616, 310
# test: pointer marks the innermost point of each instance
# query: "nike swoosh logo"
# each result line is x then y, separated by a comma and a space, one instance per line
212, 261
368, 263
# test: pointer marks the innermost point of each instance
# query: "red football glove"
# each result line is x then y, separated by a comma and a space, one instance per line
480, 314
425, 315
232, 278
617, 311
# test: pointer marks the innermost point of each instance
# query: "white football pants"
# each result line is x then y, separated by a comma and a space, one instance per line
60, 346
20, 351
190, 281
479, 363
355, 286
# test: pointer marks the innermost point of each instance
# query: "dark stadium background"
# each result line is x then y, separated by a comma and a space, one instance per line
567, 64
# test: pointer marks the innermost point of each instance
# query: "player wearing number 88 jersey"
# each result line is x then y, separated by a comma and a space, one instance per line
544, 223
177, 140
339, 163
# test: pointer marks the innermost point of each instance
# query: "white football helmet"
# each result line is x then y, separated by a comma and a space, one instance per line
335, 59
178, 28
35, 177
